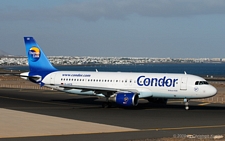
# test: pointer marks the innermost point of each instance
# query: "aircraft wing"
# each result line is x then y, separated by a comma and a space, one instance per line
94, 88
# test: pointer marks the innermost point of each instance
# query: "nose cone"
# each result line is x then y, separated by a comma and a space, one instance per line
211, 91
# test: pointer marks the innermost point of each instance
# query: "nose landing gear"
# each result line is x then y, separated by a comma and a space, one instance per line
186, 104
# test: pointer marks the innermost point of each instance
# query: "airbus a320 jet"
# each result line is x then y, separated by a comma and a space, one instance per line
123, 88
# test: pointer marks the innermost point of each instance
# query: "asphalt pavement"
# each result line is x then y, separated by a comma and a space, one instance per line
52, 115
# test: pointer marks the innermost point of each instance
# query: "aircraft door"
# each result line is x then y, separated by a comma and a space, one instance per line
52, 78
183, 85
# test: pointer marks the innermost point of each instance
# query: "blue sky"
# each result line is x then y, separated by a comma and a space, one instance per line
116, 28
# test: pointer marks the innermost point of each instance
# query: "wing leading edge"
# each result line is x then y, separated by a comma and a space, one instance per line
94, 88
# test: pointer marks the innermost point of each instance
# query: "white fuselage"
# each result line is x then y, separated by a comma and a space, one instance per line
156, 85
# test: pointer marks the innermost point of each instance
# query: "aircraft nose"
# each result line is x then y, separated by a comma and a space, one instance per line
212, 91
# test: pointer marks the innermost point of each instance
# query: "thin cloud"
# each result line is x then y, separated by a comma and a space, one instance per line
118, 9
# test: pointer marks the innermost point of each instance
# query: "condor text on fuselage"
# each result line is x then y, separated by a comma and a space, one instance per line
161, 82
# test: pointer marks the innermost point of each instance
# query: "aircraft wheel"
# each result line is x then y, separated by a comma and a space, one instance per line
106, 105
186, 108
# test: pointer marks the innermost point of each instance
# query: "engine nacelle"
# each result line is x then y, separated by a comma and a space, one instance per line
125, 98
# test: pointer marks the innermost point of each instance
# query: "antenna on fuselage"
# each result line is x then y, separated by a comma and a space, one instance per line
96, 70
185, 72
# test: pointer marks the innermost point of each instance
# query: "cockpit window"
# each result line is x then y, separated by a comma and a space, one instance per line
201, 83
205, 82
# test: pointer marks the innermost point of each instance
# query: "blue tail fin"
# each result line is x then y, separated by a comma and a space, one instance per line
37, 60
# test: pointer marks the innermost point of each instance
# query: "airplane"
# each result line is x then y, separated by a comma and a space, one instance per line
122, 88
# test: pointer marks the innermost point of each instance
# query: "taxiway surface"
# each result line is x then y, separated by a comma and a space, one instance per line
51, 115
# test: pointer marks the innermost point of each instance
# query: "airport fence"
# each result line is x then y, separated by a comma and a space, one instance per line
215, 99
23, 87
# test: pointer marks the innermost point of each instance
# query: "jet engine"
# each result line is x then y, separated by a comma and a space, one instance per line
125, 98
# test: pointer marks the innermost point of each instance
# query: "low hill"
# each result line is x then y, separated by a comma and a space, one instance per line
3, 53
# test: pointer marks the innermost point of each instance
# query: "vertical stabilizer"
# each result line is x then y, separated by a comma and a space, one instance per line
38, 62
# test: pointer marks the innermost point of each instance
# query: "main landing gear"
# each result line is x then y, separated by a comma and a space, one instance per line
186, 104
107, 104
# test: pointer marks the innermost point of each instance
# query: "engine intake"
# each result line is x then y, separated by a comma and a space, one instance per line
125, 98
